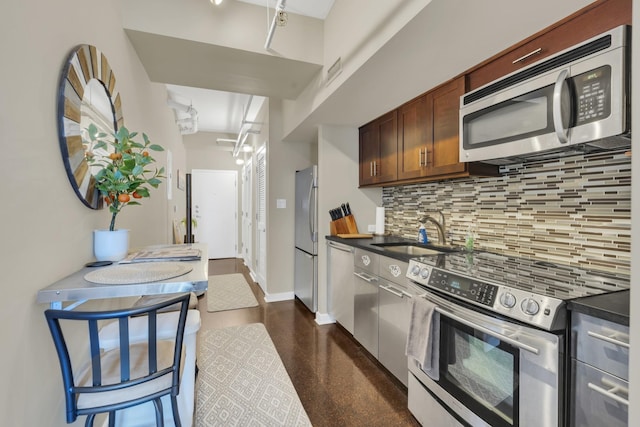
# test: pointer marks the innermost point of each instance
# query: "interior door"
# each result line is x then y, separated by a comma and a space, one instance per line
214, 205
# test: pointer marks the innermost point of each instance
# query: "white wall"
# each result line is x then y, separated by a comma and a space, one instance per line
199, 20
47, 230
338, 183
283, 160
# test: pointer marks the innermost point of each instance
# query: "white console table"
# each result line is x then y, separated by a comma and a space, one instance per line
75, 290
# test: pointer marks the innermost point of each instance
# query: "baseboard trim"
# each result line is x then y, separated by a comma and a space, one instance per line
282, 296
324, 318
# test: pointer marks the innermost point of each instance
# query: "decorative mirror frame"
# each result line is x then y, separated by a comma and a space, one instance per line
85, 62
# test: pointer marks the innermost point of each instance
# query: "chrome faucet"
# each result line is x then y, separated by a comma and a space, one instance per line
439, 226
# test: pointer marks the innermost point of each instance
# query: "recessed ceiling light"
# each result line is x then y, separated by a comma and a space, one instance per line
216, 2
239, 162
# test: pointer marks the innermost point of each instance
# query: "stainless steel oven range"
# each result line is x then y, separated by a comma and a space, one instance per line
502, 341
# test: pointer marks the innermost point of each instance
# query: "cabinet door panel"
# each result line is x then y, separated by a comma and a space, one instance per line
369, 143
444, 156
379, 150
414, 138
386, 169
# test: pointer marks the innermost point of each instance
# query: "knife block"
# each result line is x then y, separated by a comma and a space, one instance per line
344, 225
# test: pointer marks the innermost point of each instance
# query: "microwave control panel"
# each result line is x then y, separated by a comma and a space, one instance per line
592, 95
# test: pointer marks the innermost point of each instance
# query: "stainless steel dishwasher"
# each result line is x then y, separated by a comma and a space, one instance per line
394, 313
365, 327
340, 283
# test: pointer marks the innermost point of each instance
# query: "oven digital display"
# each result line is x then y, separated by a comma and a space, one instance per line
463, 287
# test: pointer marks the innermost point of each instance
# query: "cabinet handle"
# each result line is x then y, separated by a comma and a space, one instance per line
375, 168
610, 340
522, 58
611, 393
340, 248
420, 157
426, 158
392, 290
370, 168
365, 277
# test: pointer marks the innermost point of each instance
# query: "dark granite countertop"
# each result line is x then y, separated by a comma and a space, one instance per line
613, 307
369, 244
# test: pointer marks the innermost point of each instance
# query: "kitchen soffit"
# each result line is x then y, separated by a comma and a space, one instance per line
225, 76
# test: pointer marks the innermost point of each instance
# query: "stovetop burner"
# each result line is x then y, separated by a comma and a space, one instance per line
528, 290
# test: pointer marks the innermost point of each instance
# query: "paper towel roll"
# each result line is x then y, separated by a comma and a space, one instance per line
379, 220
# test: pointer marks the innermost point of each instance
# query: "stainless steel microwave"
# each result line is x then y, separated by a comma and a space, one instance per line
576, 100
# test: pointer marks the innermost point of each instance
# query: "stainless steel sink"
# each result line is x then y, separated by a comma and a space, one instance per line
415, 248
412, 250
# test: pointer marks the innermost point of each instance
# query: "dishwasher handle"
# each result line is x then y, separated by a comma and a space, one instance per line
342, 248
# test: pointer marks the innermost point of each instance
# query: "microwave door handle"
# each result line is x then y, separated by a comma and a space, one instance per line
557, 107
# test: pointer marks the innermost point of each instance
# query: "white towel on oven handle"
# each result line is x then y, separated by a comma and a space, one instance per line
423, 338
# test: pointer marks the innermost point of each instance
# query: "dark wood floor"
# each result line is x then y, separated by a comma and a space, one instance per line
338, 382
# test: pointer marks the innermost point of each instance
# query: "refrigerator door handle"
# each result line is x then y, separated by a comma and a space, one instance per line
312, 210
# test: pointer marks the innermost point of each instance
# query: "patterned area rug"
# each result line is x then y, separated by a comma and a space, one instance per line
228, 292
242, 381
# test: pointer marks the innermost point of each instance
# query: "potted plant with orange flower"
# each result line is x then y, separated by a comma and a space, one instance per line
123, 173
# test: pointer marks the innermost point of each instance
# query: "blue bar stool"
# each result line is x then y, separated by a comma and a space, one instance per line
125, 376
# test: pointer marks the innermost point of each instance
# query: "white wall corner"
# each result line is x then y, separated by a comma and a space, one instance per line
282, 296
324, 319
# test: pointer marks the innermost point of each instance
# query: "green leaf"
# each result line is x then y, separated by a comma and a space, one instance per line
137, 170
100, 144
156, 147
144, 192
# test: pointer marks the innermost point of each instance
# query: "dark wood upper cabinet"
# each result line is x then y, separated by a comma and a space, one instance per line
445, 152
415, 138
378, 150
419, 141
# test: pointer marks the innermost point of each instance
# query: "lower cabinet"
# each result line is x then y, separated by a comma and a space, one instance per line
365, 327
381, 308
599, 372
394, 311
341, 287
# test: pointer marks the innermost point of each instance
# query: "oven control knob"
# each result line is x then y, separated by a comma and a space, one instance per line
530, 306
424, 273
507, 300
415, 270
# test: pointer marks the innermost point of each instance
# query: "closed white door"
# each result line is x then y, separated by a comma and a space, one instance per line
214, 204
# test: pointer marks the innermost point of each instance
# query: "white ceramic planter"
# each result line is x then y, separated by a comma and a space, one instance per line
110, 245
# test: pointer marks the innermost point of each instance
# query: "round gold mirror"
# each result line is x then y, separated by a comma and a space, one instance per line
86, 96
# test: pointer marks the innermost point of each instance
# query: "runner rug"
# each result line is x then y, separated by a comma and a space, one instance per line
228, 292
242, 382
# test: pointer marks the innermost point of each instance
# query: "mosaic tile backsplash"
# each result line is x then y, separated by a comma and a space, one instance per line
575, 210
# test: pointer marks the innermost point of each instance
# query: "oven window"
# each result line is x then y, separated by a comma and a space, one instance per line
480, 371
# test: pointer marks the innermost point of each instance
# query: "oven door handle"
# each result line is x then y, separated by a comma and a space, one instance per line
488, 331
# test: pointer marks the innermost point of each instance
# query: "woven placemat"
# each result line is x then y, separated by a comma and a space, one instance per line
127, 274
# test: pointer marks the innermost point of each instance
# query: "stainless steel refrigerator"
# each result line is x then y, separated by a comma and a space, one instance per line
306, 238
